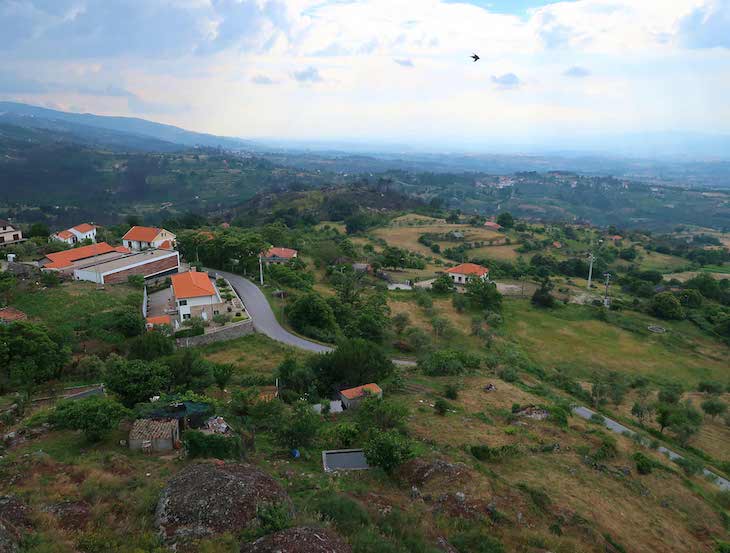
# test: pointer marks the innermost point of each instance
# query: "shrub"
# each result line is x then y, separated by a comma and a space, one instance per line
710, 387
607, 449
666, 306
509, 374
451, 391
644, 465
441, 406
95, 416
300, 428
539, 497
347, 514
689, 466
90, 367
476, 541
272, 518
387, 450
198, 444
150, 345
136, 281
222, 319
486, 453
448, 362
383, 414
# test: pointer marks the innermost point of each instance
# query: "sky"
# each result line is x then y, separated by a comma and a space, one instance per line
391, 71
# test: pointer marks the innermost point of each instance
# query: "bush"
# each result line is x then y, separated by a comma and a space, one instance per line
442, 406
476, 541
90, 368
387, 450
644, 465
666, 306
136, 281
710, 387
383, 414
136, 381
95, 416
689, 466
198, 444
607, 450
300, 428
486, 453
221, 319
451, 391
272, 518
509, 374
448, 362
150, 345
347, 514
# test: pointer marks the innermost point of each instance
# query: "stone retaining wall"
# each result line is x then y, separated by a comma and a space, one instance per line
229, 332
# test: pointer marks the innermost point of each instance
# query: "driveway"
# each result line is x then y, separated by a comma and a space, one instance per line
264, 320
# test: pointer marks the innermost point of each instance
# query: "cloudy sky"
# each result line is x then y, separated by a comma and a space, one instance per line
378, 70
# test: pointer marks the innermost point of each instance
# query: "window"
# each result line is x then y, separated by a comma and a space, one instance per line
183, 302
186, 316
2, 239
16, 236
216, 312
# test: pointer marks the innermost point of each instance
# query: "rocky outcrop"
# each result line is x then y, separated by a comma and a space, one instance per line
303, 539
206, 499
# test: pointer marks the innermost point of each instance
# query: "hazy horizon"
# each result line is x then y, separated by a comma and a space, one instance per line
558, 76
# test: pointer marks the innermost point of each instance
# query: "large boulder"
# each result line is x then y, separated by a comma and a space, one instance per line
303, 539
206, 499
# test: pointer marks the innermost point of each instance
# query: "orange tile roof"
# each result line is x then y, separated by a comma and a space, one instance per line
10, 315
84, 227
166, 245
192, 285
161, 320
59, 260
142, 234
492, 224
64, 234
353, 393
469, 269
286, 253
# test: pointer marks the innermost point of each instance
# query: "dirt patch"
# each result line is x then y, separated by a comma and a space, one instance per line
71, 515
15, 512
206, 499
419, 471
304, 539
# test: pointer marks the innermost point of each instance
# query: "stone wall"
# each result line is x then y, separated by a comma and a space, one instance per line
229, 332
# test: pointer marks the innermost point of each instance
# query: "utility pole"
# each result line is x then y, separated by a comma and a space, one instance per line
606, 302
261, 271
591, 259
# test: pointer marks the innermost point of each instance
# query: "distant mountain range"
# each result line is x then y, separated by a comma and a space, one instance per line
120, 132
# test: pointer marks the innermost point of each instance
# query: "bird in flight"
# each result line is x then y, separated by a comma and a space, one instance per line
475, 57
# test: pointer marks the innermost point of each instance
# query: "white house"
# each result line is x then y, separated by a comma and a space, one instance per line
76, 234
461, 274
140, 238
9, 233
195, 295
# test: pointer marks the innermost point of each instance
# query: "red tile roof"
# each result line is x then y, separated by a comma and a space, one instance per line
493, 225
469, 269
10, 315
353, 393
142, 234
286, 253
161, 320
84, 227
192, 285
64, 234
59, 260
557, 244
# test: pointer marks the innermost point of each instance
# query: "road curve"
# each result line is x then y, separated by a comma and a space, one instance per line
264, 320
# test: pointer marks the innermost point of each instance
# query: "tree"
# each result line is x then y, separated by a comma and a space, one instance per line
383, 414
50, 279
666, 306
682, 420
311, 315
399, 322
90, 367
136, 281
387, 450
505, 219
189, 371
443, 284
296, 376
300, 427
7, 285
670, 393
440, 325
484, 294
222, 373
713, 407
542, 296
136, 381
151, 345
352, 363
441, 406
39, 230
641, 410
95, 416
459, 302
30, 354
710, 387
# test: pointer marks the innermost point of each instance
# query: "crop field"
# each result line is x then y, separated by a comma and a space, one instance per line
406, 237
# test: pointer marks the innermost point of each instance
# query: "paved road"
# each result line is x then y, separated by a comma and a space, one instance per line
614, 426
264, 320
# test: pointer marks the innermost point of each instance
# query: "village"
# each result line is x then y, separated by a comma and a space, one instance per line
245, 368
